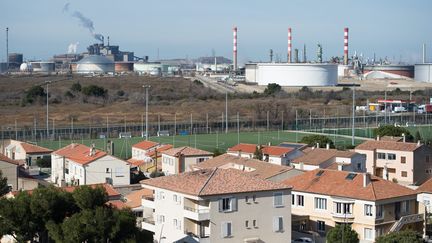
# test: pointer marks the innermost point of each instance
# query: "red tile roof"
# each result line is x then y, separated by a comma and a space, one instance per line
145, 145
8, 160
186, 151
276, 150
160, 150
254, 167
388, 145
133, 199
334, 183
317, 156
117, 204
108, 188
425, 187
208, 182
243, 147
80, 153
136, 162
34, 149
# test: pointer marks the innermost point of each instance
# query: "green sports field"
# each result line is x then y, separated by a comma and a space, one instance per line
209, 142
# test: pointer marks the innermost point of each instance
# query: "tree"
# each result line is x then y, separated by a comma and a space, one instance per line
272, 89
389, 130
258, 154
312, 140
405, 236
94, 90
44, 162
342, 234
216, 152
417, 136
4, 186
89, 198
33, 93
76, 87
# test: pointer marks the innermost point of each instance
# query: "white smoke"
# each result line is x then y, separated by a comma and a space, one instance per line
72, 48
84, 21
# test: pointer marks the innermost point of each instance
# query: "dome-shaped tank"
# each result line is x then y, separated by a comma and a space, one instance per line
26, 67
95, 64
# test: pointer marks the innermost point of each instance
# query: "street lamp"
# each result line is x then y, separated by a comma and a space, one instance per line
146, 112
47, 111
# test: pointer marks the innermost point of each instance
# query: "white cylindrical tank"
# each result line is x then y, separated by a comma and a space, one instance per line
292, 74
26, 67
95, 64
422, 72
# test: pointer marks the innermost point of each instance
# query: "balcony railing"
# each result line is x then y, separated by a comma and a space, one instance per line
404, 220
149, 198
343, 215
149, 220
203, 235
195, 210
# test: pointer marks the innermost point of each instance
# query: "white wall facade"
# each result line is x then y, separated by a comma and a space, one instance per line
292, 74
423, 72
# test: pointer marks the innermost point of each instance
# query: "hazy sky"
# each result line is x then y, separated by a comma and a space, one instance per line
180, 28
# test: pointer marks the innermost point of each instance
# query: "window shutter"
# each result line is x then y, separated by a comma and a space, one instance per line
233, 204
275, 224
280, 221
220, 205
224, 229
229, 230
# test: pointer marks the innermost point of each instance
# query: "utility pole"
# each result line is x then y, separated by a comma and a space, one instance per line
7, 49
226, 112
353, 117
238, 128
47, 111
146, 104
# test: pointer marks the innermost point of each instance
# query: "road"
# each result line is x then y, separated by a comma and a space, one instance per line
213, 84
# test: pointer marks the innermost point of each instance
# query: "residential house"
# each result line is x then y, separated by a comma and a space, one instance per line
280, 155
134, 200
153, 160
424, 199
217, 205
140, 150
26, 153
372, 206
77, 164
179, 160
253, 167
327, 158
403, 162
10, 170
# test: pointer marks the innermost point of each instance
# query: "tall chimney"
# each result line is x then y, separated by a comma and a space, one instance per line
424, 53
235, 48
296, 55
289, 45
345, 61
304, 53
271, 55
366, 179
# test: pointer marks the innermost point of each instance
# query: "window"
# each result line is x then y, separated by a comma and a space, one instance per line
343, 208
381, 155
405, 206
247, 199
227, 204
293, 199
359, 166
199, 160
226, 229
368, 210
300, 200
177, 224
107, 170
391, 156
254, 223
404, 174
119, 172
321, 226
379, 211
161, 219
368, 234
278, 199
320, 203
247, 224
278, 224
160, 195
254, 198
176, 199
403, 159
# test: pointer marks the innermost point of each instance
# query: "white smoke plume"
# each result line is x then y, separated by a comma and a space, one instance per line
72, 48
84, 21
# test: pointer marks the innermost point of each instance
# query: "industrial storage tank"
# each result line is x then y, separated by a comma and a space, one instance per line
26, 67
292, 74
95, 64
124, 67
43, 67
423, 72
388, 71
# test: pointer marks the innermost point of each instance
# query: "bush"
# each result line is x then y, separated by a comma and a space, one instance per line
342, 234
390, 130
76, 87
312, 140
120, 93
44, 162
272, 89
94, 90
69, 95
405, 236
155, 174
33, 93
197, 82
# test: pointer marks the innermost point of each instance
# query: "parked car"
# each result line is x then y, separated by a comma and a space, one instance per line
302, 240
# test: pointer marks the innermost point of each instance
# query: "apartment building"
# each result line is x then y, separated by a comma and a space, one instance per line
424, 198
327, 158
77, 164
253, 167
217, 205
402, 162
372, 206
179, 160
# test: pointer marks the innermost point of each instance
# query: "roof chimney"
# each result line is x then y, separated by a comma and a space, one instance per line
92, 150
403, 137
327, 146
317, 145
340, 167
378, 138
269, 144
418, 143
366, 179
239, 153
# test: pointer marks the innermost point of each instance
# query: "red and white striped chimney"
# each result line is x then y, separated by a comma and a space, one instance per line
289, 45
345, 60
235, 48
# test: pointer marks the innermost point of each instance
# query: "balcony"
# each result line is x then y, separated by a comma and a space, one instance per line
148, 224
198, 214
148, 202
404, 220
342, 217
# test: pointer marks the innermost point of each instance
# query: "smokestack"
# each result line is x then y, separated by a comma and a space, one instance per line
345, 61
108, 40
424, 53
296, 55
304, 54
271, 55
289, 45
235, 48
7, 49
